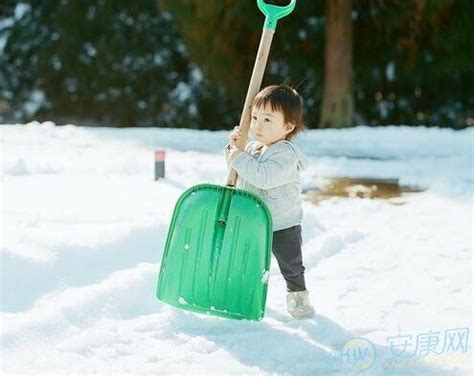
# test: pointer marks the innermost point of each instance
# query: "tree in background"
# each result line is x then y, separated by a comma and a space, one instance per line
338, 104
104, 62
410, 57
412, 62
187, 63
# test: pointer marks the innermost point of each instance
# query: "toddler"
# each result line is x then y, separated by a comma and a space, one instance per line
269, 168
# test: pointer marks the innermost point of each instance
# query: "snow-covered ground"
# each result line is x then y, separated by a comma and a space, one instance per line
84, 225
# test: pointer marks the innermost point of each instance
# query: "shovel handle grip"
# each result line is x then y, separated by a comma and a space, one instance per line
274, 12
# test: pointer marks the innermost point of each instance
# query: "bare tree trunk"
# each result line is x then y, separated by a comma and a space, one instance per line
338, 104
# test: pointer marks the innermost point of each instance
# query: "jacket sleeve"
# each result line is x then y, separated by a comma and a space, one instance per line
278, 168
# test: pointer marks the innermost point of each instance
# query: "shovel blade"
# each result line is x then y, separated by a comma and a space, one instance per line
217, 253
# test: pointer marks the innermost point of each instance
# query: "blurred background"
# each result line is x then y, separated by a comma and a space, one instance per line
187, 63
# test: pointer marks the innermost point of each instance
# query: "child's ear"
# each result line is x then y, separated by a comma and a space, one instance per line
289, 127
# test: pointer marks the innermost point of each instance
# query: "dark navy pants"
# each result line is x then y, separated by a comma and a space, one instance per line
287, 251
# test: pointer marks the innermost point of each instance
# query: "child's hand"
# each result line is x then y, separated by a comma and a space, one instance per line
233, 152
235, 136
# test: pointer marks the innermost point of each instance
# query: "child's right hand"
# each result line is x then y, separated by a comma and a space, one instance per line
235, 136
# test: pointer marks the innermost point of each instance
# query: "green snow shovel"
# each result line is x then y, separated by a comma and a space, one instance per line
217, 253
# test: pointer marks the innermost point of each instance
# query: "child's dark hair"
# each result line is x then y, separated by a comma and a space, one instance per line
285, 99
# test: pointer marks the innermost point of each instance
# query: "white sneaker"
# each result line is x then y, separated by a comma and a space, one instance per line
298, 304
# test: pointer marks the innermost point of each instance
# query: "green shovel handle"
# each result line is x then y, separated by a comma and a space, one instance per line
274, 12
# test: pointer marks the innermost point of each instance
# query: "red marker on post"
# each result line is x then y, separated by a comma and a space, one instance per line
159, 164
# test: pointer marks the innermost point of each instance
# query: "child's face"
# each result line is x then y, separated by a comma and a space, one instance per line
269, 126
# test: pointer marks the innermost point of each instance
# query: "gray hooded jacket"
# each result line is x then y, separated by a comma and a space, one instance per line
272, 173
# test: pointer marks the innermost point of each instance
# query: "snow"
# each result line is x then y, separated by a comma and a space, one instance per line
84, 225
21, 9
37, 98
390, 71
